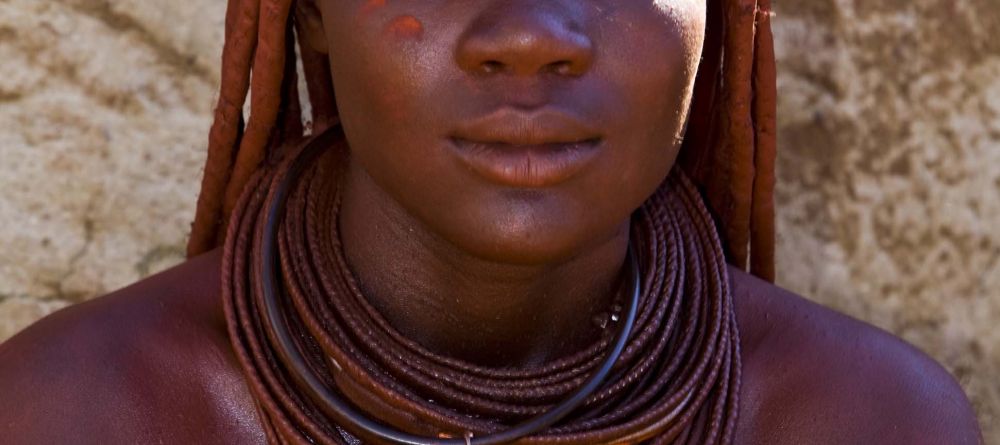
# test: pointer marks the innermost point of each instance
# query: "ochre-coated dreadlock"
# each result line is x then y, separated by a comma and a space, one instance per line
729, 150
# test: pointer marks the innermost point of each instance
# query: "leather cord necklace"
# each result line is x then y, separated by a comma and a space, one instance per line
346, 416
325, 367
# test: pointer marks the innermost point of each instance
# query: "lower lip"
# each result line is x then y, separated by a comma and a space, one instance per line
526, 166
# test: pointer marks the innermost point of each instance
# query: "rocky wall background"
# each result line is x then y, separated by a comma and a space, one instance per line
889, 195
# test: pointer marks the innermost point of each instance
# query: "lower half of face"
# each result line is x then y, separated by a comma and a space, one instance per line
518, 131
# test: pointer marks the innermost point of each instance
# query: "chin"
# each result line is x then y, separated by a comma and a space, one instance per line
514, 249
527, 232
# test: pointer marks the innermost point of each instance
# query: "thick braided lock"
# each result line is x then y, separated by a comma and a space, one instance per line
674, 378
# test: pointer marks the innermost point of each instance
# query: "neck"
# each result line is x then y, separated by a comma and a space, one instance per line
459, 305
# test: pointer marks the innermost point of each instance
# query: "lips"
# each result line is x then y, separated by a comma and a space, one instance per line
526, 149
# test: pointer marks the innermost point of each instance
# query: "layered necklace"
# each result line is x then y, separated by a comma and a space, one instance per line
324, 366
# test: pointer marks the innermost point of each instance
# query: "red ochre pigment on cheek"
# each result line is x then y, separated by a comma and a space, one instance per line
405, 27
370, 6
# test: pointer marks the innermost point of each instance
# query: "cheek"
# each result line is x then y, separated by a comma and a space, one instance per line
688, 17
370, 50
370, 7
405, 27
685, 14
402, 27
655, 82
671, 59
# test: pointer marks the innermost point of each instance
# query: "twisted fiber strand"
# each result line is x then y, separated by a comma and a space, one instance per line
762, 233
290, 128
677, 382
240, 42
738, 128
265, 96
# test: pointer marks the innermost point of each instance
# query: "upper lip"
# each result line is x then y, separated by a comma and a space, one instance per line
509, 126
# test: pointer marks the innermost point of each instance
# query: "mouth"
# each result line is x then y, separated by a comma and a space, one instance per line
526, 150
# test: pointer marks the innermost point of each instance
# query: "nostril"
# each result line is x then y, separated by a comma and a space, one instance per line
561, 67
492, 66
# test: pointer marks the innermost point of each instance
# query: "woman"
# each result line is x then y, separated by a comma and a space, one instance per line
495, 233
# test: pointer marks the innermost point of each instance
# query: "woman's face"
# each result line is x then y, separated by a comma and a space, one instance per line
518, 130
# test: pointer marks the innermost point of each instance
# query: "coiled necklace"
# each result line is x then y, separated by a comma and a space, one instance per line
325, 367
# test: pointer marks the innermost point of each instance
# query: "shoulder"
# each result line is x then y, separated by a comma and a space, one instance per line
150, 363
812, 375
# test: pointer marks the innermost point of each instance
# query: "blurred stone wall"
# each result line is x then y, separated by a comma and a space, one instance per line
889, 173
889, 195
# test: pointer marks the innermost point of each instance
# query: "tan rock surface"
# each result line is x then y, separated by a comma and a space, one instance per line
889, 165
103, 117
889, 168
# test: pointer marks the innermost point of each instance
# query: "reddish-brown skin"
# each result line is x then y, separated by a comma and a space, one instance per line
152, 363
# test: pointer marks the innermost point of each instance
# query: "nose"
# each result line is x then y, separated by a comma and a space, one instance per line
526, 37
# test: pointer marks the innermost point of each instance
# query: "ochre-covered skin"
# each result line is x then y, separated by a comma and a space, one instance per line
434, 97
405, 27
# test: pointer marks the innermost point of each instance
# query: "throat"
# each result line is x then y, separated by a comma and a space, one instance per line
468, 308
493, 327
